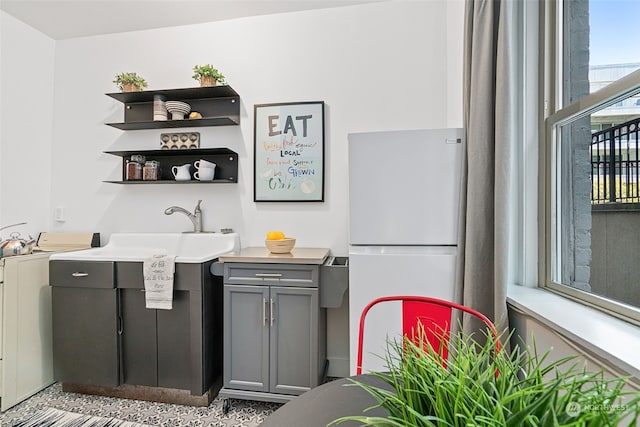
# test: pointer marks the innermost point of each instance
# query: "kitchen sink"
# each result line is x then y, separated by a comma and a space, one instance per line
187, 247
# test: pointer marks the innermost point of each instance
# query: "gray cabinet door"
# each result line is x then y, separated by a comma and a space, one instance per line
139, 340
293, 340
85, 335
246, 338
156, 345
177, 354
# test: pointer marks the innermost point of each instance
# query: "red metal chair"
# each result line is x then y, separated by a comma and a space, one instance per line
423, 313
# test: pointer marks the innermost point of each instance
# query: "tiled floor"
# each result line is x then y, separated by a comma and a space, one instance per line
242, 413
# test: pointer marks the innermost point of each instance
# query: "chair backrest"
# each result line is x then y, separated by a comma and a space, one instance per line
431, 315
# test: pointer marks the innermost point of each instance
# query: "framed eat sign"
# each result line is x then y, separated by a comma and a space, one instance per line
289, 152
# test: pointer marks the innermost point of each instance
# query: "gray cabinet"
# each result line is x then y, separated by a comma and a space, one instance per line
246, 338
178, 348
105, 336
274, 331
156, 343
85, 322
139, 343
293, 342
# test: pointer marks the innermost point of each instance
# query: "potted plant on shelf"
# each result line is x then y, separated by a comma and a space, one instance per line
130, 82
207, 75
477, 386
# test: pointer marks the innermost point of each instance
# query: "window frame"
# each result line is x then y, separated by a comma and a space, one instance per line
554, 115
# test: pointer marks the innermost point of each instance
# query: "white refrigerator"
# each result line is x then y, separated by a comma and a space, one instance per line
404, 201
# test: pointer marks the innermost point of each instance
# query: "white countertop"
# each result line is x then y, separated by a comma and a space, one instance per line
262, 255
136, 247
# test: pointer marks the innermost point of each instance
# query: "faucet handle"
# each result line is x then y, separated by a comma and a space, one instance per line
197, 206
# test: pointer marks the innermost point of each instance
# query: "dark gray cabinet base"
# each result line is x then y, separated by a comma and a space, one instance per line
150, 394
107, 342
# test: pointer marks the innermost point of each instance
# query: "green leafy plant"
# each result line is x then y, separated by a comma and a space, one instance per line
207, 71
123, 79
477, 387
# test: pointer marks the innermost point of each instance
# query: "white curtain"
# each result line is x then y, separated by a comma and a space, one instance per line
491, 117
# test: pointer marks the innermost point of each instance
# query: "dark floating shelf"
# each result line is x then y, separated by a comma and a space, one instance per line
226, 161
168, 181
209, 121
192, 152
218, 105
176, 94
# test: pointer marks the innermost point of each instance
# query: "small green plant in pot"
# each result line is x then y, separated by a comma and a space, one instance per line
130, 82
207, 75
477, 387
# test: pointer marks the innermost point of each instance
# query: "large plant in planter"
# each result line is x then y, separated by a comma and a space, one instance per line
477, 387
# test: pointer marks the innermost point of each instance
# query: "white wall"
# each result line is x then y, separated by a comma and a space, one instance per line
380, 66
26, 94
383, 66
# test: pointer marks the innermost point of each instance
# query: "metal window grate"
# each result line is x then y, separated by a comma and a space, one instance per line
615, 164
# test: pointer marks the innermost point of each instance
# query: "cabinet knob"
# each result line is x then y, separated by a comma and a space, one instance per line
269, 275
79, 274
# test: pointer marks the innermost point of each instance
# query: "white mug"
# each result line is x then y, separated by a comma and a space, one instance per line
181, 173
204, 174
202, 163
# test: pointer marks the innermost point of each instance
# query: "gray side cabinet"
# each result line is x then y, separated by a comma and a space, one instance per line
274, 331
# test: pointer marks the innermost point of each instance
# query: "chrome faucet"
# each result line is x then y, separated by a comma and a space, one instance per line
195, 217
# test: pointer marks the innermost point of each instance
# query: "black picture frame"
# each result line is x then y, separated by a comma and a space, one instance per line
288, 160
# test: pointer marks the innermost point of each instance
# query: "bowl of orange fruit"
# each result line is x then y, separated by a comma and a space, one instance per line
278, 243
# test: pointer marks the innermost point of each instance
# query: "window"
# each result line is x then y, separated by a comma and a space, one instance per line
592, 238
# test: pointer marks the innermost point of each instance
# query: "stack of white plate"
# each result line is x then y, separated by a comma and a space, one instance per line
178, 109
159, 108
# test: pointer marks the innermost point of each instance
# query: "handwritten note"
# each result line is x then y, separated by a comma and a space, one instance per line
289, 152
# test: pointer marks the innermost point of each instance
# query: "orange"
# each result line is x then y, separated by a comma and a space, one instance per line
275, 235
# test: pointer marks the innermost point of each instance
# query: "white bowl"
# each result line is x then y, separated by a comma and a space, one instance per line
178, 104
281, 246
183, 110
